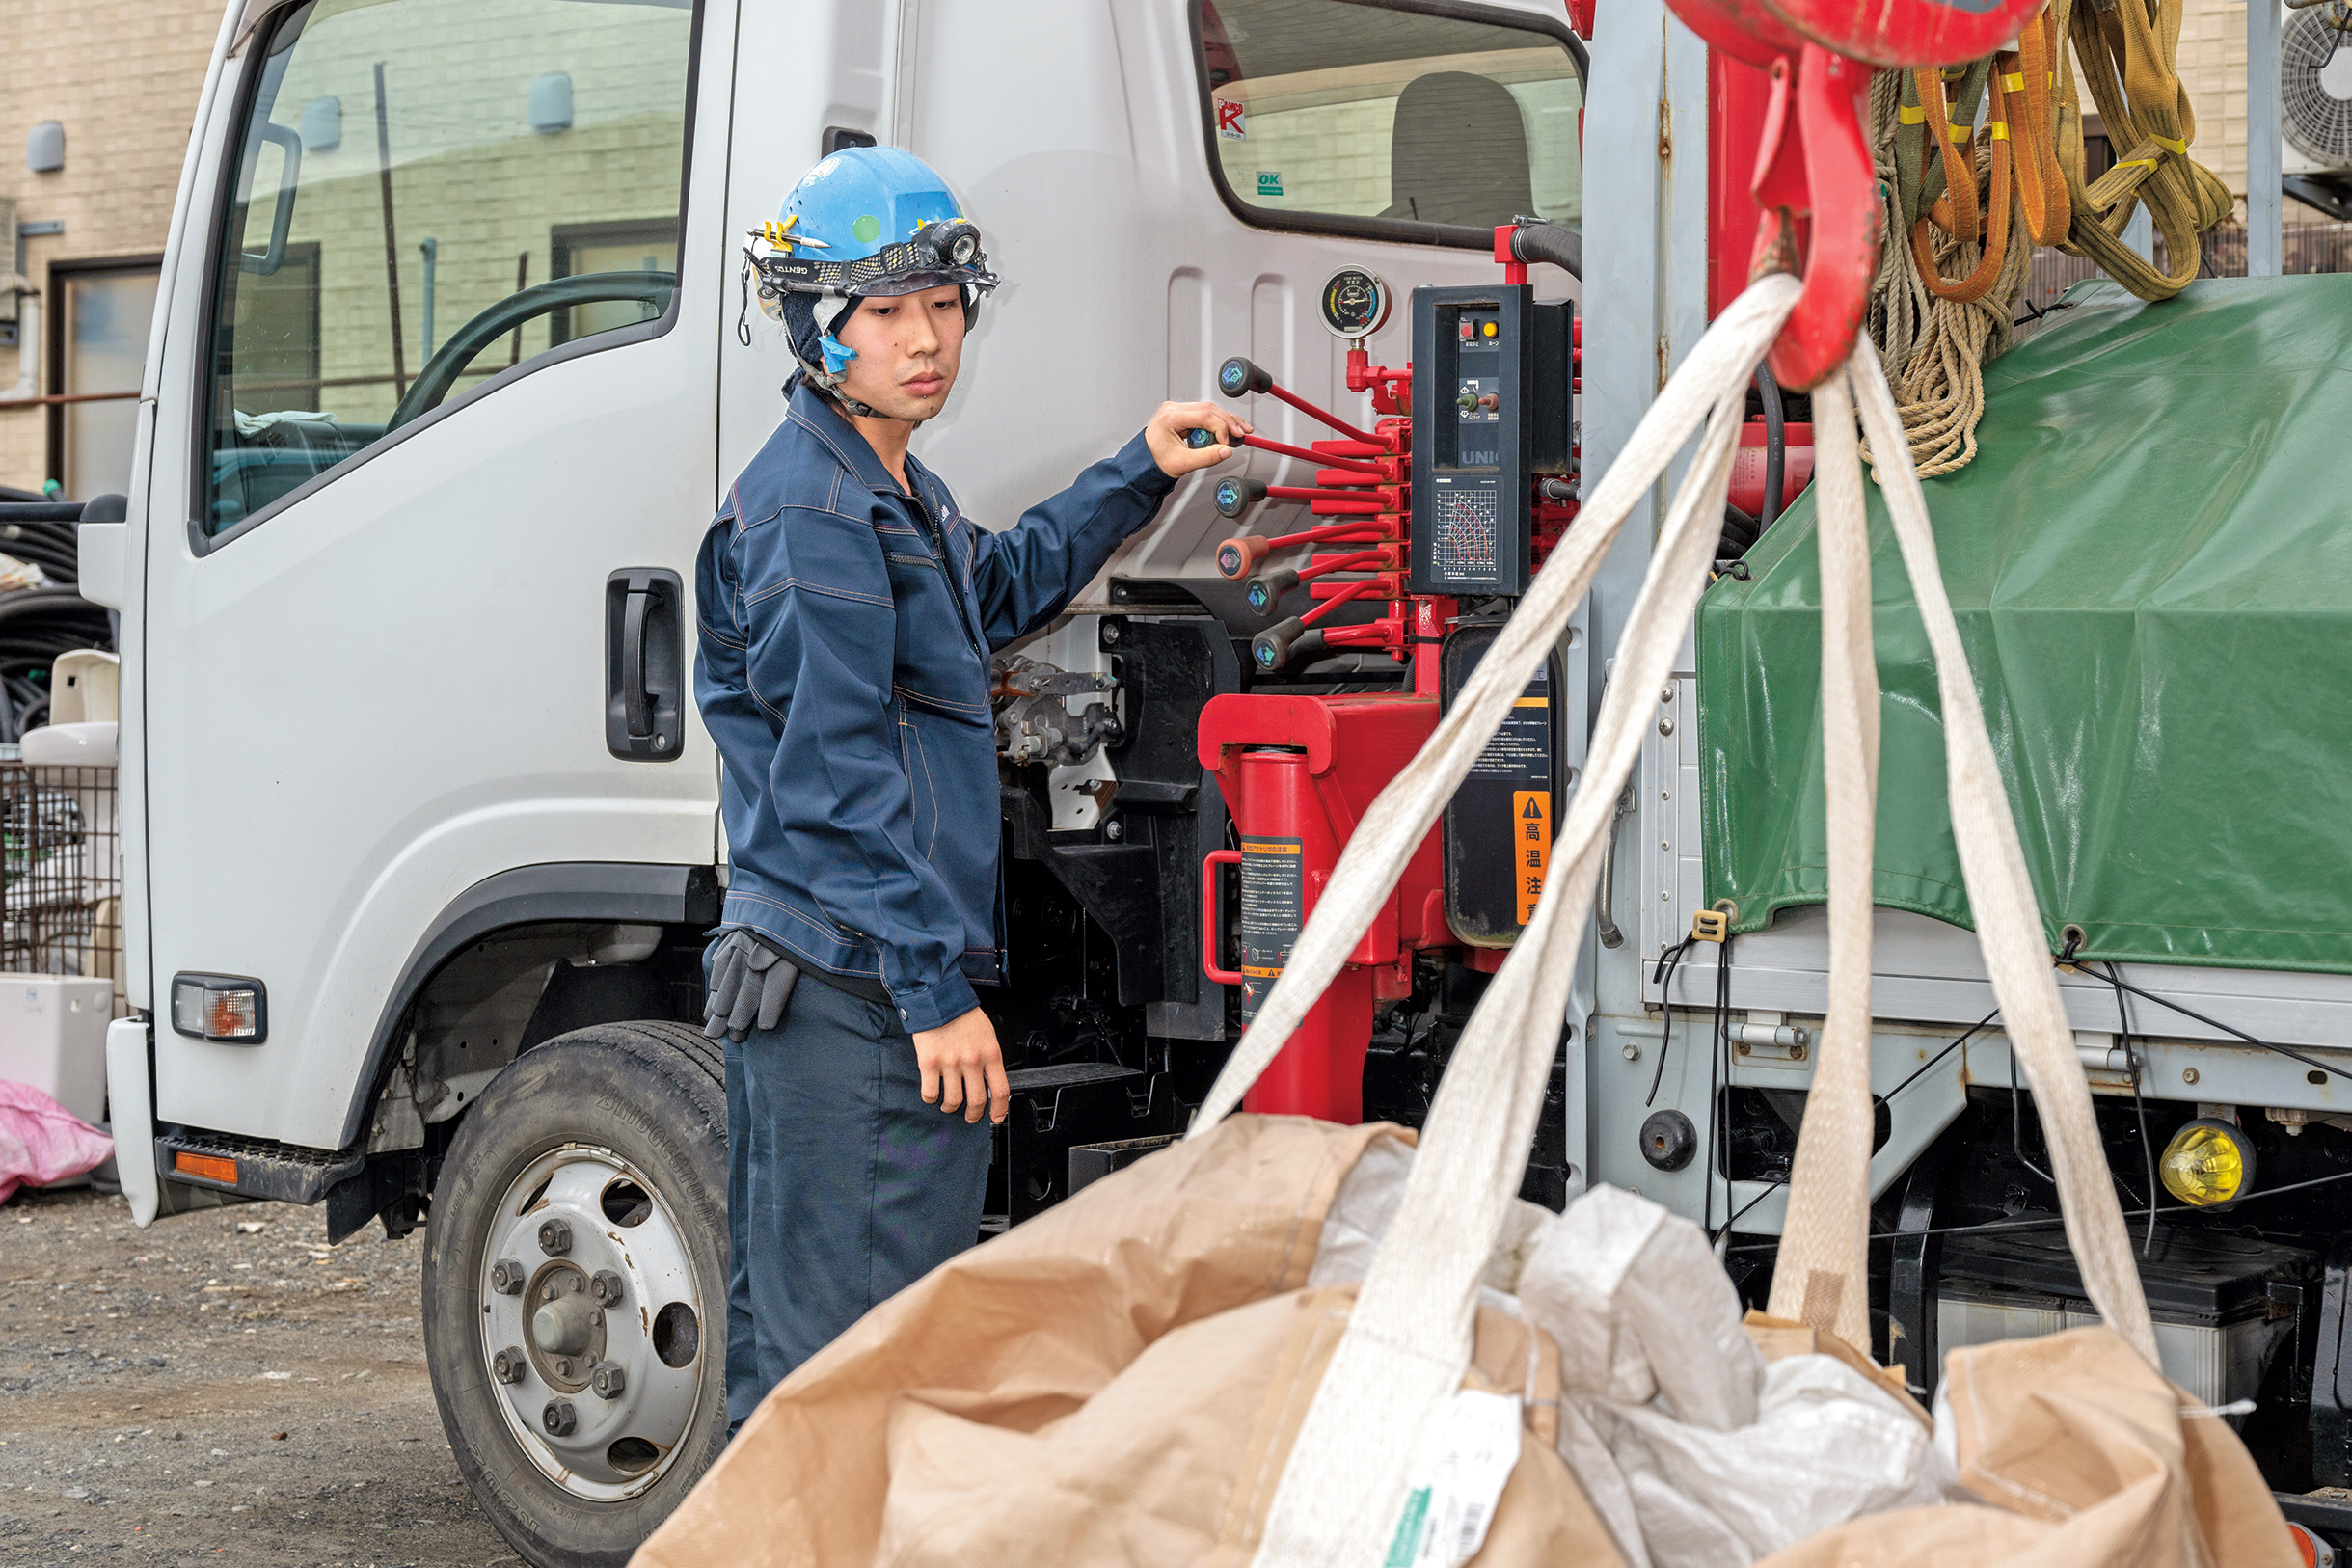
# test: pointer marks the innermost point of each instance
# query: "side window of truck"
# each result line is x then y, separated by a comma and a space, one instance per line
1367, 116
430, 194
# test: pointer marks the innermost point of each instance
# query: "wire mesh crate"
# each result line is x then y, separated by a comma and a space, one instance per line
61, 872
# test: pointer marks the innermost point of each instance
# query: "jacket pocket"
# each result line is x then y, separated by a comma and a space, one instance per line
919, 787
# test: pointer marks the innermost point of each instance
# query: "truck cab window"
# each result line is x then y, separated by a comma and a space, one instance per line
1356, 117
411, 178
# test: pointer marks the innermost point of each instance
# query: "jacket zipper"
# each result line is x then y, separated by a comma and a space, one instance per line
938, 542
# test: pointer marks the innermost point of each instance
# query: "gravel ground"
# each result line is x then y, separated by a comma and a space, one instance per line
219, 1387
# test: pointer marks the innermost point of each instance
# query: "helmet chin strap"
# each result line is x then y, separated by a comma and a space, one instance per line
831, 309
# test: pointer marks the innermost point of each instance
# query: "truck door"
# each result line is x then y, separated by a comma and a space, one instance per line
437, 400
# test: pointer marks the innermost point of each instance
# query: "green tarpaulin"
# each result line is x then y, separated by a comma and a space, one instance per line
2151, 563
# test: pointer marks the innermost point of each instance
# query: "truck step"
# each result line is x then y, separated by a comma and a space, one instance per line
255, 1167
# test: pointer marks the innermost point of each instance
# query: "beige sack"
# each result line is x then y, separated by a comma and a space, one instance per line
1116, 1381
2090, 1460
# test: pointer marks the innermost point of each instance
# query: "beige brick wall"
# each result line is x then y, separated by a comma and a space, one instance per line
468, 170
122, 76
2212, 65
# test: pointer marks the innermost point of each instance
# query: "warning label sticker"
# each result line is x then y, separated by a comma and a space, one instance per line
1273, 904
1498, 825
1531, 839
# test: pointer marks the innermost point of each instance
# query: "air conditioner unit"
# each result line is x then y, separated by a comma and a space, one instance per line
2316, 106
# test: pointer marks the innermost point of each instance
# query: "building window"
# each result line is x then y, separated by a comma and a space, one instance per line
98, 349
577, 248
1369, 117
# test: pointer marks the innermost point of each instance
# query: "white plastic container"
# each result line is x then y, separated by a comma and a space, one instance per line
53, 1036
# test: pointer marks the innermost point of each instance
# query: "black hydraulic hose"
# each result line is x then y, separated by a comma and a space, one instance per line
1775, 446
41, 602
1563, 248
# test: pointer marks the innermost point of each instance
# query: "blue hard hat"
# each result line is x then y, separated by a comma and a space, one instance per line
867, 221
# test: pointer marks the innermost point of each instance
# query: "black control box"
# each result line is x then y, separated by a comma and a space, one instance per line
1493, 406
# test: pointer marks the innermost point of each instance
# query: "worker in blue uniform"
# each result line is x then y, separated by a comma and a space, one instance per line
846, 613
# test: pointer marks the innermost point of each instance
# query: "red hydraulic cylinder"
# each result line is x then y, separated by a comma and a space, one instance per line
1288, 846
1297, 772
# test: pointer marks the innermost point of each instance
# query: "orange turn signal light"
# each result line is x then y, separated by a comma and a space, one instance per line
210, 1167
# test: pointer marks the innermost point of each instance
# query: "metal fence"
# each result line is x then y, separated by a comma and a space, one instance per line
61, 872
2315, 247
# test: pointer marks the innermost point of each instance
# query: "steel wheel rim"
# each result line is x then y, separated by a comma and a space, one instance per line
619, 1225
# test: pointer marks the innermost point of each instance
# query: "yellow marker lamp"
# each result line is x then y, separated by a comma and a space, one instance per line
2208, 1164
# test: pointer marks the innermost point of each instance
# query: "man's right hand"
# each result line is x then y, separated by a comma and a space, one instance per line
962, 1067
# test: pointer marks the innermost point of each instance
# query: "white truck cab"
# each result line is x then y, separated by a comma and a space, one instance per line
450, 368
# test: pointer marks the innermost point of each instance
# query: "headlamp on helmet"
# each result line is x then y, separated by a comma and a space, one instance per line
953, 244
938, 253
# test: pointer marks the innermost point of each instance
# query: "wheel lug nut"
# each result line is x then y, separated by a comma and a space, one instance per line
607, 1288
563, 1366
555, 1238
609, 1379
507, 1364
506, 1276
560, 1418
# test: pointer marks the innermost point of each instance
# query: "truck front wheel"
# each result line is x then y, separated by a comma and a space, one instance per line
576, 1290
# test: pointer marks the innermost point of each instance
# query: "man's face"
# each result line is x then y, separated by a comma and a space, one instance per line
909, 347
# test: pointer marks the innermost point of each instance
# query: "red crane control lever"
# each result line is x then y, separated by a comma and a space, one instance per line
1237, 377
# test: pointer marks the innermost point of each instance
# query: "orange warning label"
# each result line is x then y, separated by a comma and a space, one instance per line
1531, 845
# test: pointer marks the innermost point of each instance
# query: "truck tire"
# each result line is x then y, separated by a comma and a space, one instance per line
576, 1290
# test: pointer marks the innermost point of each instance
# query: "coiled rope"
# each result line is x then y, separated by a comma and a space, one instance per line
1954, 265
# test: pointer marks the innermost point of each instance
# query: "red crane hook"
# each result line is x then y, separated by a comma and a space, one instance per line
1813, 159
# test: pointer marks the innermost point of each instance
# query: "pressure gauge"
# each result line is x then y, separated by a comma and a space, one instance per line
1356, 303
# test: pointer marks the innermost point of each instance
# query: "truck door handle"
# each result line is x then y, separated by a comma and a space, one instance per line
644, 664
634, 702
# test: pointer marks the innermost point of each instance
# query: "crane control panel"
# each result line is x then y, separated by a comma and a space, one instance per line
1406, 531
1493, 406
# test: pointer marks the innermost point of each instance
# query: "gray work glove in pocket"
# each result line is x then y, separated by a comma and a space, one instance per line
751, 981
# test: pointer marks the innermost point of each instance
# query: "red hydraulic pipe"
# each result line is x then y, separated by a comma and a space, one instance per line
1338, 465
1363, 561
1369, 503
1353, 591
1340, 478
1380, 381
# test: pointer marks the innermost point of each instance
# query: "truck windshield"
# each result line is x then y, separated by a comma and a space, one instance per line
430, 191
1331, 109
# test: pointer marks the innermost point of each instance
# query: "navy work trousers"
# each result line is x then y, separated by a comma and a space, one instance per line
843, 1187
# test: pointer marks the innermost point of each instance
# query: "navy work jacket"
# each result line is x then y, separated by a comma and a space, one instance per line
843, 670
